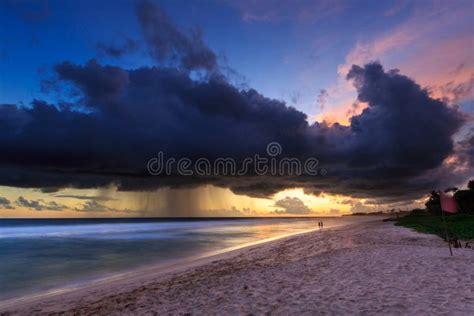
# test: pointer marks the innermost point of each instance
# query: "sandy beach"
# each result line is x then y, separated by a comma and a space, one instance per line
370, 268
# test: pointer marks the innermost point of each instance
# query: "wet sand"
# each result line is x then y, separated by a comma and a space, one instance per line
371, 268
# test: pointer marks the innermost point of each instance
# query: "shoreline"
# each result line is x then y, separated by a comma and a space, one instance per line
347, 261
162, 268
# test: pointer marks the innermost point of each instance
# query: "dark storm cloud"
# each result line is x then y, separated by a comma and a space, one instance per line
6, 204
385, 152
39, 205
167, 43
98, 83
85, 197
402, 128
291, 205
122, 117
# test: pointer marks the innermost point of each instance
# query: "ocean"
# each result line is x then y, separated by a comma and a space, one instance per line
39, 255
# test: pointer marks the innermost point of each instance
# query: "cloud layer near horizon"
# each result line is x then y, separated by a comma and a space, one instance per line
119, 118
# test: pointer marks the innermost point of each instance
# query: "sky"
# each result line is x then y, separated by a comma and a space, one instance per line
379, 92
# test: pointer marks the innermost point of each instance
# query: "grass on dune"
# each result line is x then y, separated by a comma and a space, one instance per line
459, 225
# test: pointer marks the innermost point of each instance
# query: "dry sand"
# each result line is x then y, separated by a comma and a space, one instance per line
372, 268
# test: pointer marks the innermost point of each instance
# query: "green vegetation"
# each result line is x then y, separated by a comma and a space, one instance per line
429, 220
459, 225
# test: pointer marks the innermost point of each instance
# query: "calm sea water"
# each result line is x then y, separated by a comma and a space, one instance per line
40, 255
